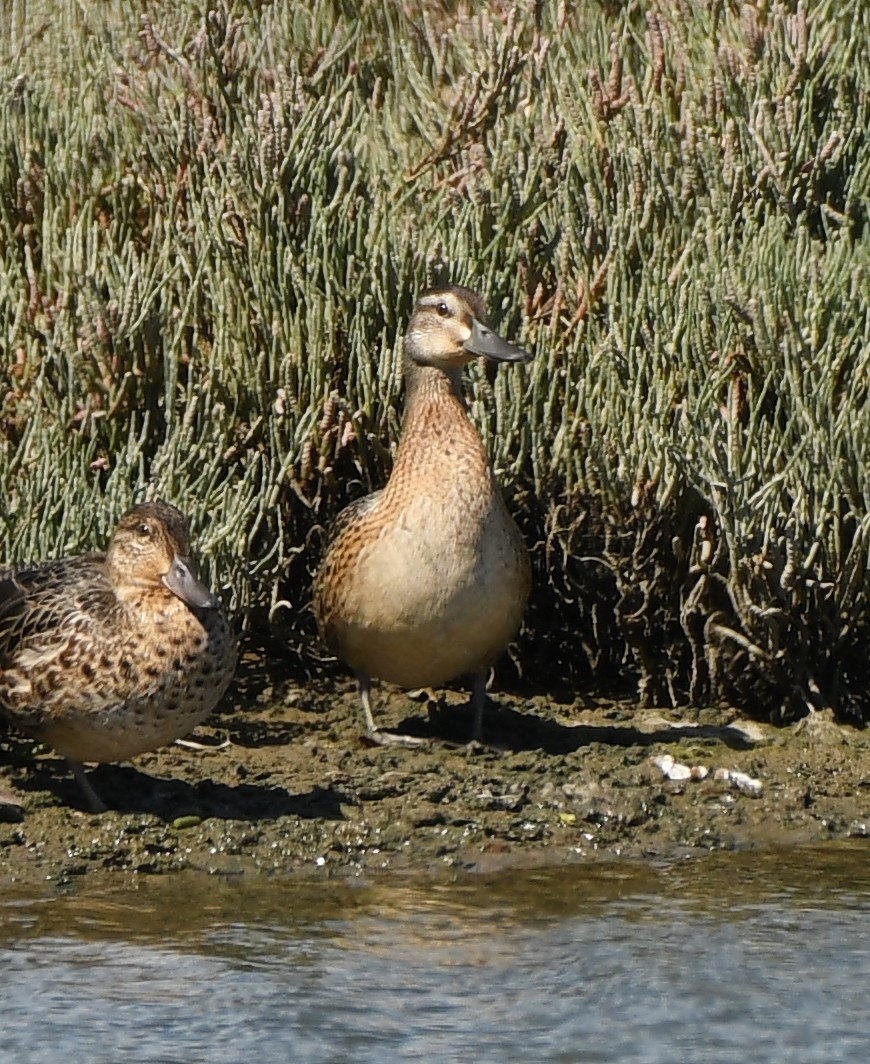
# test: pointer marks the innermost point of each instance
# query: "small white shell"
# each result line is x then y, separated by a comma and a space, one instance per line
680, 772
663, 761
740, 780
676, 771
745, 783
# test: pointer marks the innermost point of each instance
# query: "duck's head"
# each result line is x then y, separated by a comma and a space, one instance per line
448, 328
150, 549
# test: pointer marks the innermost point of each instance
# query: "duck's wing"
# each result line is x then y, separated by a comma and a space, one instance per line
39, 600
354, 511
325, 583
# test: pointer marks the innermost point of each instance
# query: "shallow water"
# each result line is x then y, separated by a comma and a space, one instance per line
761, 957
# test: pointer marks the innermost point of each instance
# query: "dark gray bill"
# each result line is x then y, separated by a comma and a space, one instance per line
483, 341
181, 581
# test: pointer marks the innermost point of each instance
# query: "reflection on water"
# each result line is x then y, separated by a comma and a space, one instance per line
759, 956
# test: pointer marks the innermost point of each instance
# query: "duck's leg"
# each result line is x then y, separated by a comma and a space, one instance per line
95, 802
373, 733
478, 701
365, 698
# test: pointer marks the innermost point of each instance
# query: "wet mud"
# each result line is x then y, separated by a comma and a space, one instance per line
281, 781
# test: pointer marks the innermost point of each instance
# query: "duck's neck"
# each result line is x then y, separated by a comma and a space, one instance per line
427, 384
440, 444
434, 407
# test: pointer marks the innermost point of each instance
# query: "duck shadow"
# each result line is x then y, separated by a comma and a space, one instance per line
505, 728
127, 790
257, 733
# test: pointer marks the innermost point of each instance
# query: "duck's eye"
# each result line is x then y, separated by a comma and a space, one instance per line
143, 528
443, 310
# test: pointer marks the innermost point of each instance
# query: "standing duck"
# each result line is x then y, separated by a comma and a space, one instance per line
105, 656
428, 579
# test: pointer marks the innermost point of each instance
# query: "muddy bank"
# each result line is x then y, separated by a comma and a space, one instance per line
284, 783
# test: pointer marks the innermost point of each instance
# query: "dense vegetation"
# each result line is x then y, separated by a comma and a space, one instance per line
213, 222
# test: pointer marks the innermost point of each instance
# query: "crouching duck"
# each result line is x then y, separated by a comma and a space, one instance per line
105, 656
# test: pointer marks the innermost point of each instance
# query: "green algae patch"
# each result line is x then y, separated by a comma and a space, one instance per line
182, 823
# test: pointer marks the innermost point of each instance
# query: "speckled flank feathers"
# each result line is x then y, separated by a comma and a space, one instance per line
105, 656
428, 579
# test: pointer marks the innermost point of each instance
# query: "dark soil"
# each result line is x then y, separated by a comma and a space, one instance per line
287, 784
